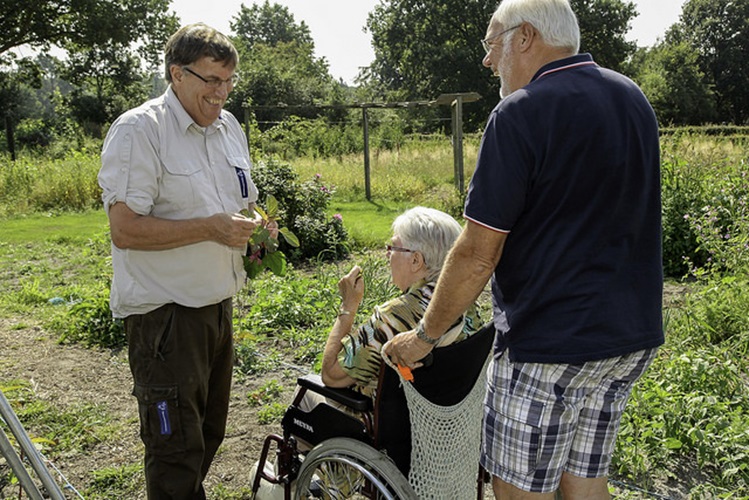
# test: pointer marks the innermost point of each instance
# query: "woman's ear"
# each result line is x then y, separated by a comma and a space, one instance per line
417, 261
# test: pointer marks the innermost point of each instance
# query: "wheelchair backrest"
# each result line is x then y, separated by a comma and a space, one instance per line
446, 381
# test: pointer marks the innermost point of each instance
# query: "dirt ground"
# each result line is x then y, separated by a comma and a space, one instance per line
67, 376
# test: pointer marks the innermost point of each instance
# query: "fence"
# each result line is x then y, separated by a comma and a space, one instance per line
455, 101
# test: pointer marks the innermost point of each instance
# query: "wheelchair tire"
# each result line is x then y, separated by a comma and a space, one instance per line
341, 468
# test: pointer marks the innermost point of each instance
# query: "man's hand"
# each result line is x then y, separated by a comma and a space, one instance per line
406, 349
233, 230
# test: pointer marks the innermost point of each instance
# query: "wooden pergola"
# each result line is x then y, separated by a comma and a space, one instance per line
455, 101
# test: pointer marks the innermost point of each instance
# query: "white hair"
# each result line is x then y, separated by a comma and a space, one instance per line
429, 232
554, 20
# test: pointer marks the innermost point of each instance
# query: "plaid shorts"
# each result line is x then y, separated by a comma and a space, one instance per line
545, 419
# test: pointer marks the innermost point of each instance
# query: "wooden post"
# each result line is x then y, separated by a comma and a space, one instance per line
9, 139
456, 103
457, 107
247, 127
367, 184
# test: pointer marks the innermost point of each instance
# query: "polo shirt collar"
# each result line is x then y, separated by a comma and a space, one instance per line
562, 64
183, 118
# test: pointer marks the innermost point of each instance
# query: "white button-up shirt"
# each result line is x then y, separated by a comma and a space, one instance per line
159, 162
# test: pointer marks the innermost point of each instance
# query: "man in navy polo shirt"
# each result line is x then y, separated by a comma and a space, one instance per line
564, 213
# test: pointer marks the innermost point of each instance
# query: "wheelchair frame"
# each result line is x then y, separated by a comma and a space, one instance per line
337, 437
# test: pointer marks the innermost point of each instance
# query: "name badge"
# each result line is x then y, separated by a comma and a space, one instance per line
242, 182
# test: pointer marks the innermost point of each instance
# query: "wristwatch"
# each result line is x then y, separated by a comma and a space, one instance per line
421, 334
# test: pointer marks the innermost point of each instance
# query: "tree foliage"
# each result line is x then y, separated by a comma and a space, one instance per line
718, 30
269, 24
85, 23
278, 65
678, 91
106, 42
424, 48
603, 26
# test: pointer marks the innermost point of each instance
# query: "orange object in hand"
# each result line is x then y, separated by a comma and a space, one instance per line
406, 373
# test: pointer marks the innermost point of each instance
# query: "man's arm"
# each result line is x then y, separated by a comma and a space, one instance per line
131, 230
468, 267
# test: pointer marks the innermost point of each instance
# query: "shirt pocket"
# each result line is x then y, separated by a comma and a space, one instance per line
179, 184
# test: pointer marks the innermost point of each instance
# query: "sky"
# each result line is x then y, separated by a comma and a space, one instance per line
337, 26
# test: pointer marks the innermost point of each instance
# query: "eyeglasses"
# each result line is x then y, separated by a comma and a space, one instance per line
485, 42
214, 83
391, 248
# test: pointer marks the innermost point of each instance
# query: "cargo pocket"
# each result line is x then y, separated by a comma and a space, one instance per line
520, 425
160, 427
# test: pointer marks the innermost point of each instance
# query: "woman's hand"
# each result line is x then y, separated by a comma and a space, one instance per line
351, 289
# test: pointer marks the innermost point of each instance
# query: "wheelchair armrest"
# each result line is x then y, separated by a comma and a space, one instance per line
349, 397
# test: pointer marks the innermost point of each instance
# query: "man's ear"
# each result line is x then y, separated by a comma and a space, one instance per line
527, 36
176, 72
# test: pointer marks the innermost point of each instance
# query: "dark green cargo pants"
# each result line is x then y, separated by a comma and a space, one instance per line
181, 359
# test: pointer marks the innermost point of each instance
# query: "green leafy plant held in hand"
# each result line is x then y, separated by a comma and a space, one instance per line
263, 249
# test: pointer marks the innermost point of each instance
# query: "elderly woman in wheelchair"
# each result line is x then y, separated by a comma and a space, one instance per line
355, 416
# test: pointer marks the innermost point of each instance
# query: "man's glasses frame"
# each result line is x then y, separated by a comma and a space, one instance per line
485, 42
213, 83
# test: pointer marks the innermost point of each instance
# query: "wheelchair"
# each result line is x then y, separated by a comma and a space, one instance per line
363, 449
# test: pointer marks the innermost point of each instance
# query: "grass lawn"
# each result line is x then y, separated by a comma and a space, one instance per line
368, 223
45, 227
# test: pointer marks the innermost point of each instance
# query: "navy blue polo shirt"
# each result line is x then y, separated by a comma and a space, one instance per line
569, 167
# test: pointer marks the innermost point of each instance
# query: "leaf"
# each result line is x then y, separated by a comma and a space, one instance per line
260, 236
673, 443
262, 213
276, 262
253, 268
271, 205
290, 237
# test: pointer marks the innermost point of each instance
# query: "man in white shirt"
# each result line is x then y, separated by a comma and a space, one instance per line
175, 175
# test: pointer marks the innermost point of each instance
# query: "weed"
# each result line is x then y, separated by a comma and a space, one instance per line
271, 413
116, 482
269, 392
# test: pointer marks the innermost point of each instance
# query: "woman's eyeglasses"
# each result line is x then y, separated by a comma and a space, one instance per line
391, 248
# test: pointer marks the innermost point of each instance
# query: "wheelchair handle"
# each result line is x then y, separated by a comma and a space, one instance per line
406, 371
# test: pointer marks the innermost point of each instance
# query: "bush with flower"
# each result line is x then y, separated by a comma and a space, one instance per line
303, 209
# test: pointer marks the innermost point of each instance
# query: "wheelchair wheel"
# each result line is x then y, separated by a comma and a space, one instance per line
346, 468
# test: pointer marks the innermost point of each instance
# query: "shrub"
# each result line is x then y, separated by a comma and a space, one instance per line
303, 206
721, 225
33, 133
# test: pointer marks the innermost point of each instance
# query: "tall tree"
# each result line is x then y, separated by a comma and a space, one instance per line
104, 40
108, 80
424, 48
676, 87
719, 31
603, 26
270, 24
278, 64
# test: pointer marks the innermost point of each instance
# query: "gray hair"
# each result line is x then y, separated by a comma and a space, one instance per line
196, 41
554, 20
429, 232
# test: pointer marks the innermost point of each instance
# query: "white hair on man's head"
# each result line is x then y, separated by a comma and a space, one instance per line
429, 232
554, 20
